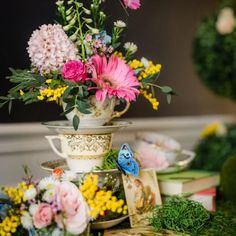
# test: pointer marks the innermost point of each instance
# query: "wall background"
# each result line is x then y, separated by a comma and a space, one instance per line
163, 30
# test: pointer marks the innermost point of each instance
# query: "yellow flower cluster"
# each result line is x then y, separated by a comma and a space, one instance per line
214, 128
150, 98
17, 194
135, 64
100, 201
89, 186
9, 225
152, 69
52, 95
119, 54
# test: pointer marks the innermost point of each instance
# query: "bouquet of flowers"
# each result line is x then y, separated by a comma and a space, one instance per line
78, 63
59, 205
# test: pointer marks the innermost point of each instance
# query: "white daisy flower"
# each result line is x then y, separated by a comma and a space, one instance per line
26, 221
33, 208
69, 176
48, 196
132, 47
120, 24
30, 193
48, 183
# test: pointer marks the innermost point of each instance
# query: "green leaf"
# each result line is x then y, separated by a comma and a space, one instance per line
76, 122
67, 92
166, 89
3, 103
83, 106
4, 98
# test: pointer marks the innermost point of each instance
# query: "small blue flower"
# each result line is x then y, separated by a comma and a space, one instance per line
104, 37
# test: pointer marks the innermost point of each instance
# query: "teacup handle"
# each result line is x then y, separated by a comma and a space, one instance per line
117, 114
50, 139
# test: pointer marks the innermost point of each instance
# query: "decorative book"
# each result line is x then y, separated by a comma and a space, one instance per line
187, 182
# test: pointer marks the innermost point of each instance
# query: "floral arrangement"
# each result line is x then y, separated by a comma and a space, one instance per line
59, 204
214, 50
75, 59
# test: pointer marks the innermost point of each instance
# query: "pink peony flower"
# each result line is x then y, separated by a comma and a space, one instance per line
43, 216
74, 207
132, 4
75, 70
114, 78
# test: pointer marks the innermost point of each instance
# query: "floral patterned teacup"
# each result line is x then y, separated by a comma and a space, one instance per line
83, 152
101, 113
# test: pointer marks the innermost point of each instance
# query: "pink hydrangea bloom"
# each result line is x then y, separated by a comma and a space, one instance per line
75, 71
132, 4
114, 78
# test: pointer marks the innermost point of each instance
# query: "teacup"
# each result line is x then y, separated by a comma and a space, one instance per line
83, 152
101, 112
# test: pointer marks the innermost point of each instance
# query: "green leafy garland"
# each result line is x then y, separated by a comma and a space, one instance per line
214, 55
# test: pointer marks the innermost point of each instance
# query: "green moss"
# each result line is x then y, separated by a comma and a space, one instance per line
180, 215
228, 178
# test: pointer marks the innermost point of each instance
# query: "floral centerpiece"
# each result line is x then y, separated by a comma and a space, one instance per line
77, 63
59, 205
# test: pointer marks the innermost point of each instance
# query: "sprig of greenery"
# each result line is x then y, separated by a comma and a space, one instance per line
26, 81
150, 81
109, 160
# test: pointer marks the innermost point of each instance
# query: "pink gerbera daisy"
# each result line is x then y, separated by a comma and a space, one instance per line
114, 78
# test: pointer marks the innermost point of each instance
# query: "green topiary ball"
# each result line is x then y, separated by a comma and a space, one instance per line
214, 54
228, 178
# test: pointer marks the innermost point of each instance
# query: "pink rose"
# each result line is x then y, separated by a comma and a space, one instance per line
132, 4
151, 157
74, 207
43, 216
75, 71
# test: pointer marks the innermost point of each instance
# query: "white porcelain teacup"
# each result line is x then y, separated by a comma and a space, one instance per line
101, 113
83, 152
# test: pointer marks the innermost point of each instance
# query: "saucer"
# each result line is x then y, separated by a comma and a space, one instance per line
61, 164
108, 224
65, 127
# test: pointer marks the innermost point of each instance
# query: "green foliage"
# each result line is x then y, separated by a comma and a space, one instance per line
223, 222
109, 160
26, 81
214, 55
228, 177
214, 150
180, 215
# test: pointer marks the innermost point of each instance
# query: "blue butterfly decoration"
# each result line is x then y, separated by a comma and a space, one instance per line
126, 162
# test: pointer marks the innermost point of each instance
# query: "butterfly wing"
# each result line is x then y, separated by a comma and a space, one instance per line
126, 161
